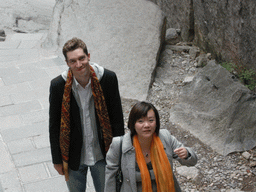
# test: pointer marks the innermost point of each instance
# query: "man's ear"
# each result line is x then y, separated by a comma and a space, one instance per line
67, 63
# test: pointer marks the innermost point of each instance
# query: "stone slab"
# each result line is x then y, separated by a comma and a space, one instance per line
56, 61
42, 141
9, 45
10, 121
24, 131
55, 71
15, 78
52, 171
42, 83
35, 117
14, 89
10, 182
44, 103
20, 108
1, 82
4, 101
32, 157
21, 145
8, 71
26, 37
6, 163
20, 52
28, 44
22, 97
49, 185
33, 173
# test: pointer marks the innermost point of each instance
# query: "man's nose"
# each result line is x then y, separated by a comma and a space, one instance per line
78, 63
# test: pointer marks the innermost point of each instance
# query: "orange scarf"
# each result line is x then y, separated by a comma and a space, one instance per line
101, 109
161, 166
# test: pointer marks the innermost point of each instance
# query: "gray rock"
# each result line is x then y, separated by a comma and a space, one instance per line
246, 155
217, 109
188, 172
2, 33
123, 36
188, 79
194, 52
172, 37
202, 60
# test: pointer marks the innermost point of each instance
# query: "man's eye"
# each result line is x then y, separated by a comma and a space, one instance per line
71, 61
81, 58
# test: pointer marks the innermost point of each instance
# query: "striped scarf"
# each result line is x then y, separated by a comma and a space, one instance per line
101, 110
160, 163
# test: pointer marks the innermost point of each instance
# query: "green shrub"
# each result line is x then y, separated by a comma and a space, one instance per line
228, 66
246, 76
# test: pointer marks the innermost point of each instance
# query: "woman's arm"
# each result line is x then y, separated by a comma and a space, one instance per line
112, 160
187, 155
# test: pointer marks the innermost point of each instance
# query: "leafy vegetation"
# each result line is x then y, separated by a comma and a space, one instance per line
246, 76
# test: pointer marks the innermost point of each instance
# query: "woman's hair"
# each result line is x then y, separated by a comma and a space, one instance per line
140, 110
72, 45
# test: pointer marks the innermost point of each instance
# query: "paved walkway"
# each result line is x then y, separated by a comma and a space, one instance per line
25, 74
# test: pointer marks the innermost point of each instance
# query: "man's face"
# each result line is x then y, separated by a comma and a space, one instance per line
78, 62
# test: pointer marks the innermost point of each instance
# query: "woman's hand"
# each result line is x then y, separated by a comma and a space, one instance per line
181, 152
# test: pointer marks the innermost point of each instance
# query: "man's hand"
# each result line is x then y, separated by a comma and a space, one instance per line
59, 168
181, 152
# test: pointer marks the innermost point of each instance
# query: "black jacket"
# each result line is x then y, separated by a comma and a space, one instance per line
110, 89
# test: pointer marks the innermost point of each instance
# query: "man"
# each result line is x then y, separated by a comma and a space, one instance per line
85, 113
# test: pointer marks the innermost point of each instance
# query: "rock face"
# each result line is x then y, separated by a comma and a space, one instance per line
218, 109
124, 36
227, 29
26, 15
179, 15
224, 28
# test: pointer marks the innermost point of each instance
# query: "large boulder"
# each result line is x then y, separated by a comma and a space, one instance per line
218, 109
123, 36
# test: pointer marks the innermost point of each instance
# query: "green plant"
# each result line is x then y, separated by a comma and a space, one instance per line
228, 66
246, 76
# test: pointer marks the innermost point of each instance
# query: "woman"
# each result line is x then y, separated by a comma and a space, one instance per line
147, 154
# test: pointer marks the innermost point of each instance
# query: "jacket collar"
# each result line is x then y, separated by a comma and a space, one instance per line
127, 143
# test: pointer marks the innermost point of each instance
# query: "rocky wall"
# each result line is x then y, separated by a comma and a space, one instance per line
224, 28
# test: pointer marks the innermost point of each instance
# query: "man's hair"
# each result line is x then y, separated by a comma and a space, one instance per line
72, 45
140, 110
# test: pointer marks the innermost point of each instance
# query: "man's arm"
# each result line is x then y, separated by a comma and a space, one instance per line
55, 99
110, 88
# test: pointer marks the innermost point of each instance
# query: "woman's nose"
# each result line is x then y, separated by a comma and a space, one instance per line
146, 124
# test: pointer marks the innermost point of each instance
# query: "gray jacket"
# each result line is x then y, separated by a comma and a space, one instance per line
128, 161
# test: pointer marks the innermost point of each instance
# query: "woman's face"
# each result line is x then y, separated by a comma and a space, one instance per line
145, 127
